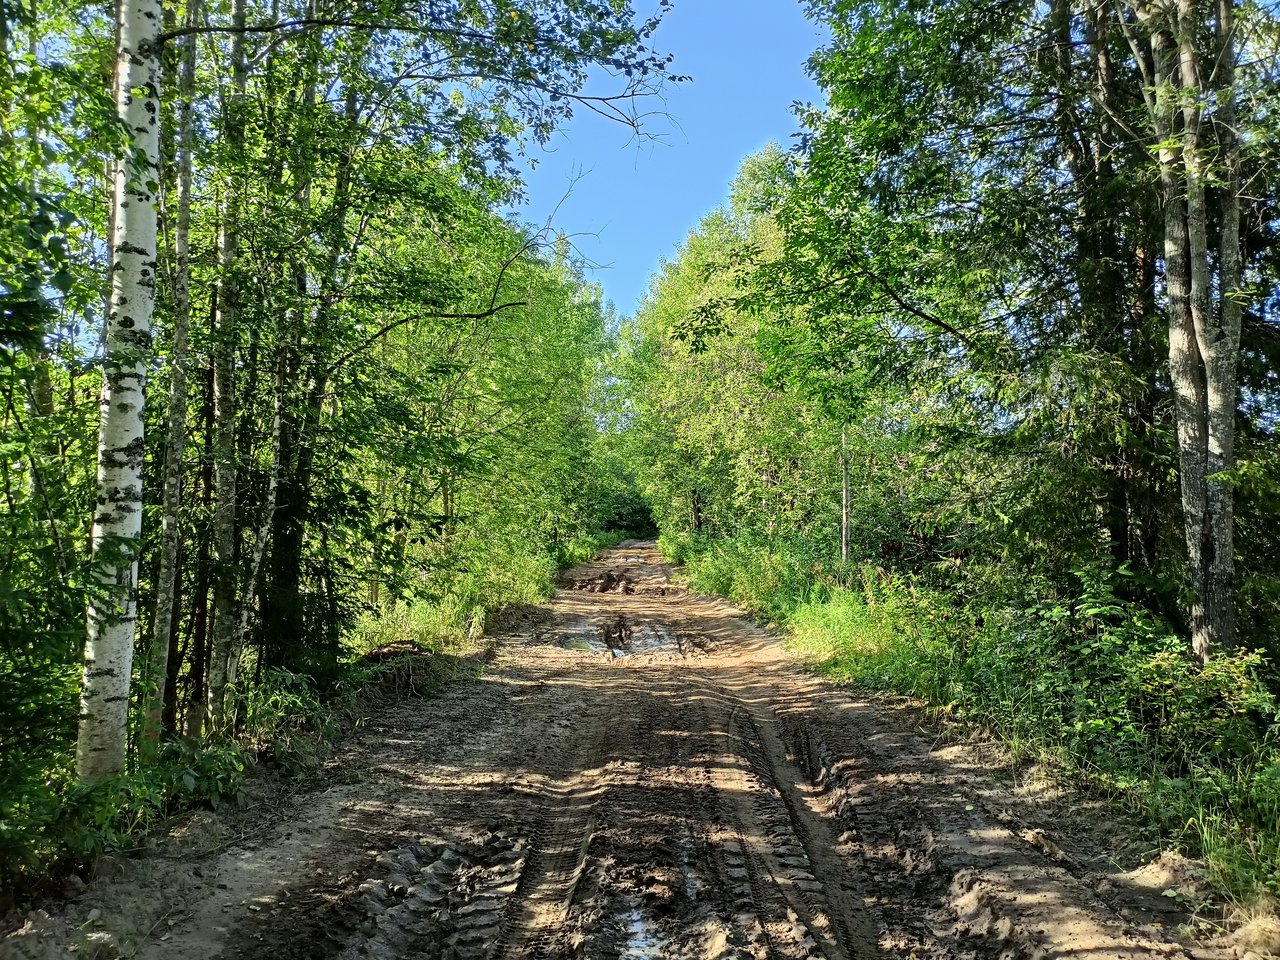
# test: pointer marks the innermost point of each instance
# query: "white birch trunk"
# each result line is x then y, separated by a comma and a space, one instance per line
117, 521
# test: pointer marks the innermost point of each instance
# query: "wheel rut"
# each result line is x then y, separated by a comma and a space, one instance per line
568, 793
640, 774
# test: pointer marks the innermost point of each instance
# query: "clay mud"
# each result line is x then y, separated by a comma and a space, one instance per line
640, 773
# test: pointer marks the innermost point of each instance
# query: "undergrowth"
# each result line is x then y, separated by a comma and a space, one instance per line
52, 825
1093, 684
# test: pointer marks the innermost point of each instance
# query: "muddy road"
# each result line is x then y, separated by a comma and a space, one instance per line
640, 773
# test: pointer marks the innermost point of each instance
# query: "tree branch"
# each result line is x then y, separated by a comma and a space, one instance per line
387, 328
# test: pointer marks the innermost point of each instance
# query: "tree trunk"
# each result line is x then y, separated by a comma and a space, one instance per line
844, 492
264, 528
197, 700
283, 610
117, 522
175, 443
1204, 309
1221, 351
224, 442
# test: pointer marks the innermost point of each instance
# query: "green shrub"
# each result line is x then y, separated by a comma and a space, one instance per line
284, 719
762, 577
120, 814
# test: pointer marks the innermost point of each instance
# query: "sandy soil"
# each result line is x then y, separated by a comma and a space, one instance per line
640, 773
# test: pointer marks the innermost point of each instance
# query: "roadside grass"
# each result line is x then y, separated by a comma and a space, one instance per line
454, 621
1088, 684
582, 549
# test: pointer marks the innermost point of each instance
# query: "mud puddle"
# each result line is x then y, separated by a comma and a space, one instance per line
643, 940
641, 773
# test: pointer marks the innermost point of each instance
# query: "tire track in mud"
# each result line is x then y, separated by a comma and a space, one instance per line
705, 849
813, 908
956, 881
642, 775
657, 885
451, 899
893, 846
800, 843
568, 786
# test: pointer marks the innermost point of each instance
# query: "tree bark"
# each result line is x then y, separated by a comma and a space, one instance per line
1204, 310
264, 528
844, 492
117, 522
1222, 349
224, 442
197, 701
176, 440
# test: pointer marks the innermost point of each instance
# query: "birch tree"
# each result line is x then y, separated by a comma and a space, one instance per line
117, 522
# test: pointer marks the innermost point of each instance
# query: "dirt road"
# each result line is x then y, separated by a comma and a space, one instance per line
641, 773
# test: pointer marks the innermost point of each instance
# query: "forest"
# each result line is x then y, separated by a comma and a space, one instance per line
973, 392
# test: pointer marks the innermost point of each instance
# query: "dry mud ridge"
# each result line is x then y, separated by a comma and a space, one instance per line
640, 773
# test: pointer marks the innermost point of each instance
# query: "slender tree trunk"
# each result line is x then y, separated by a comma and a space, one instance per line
844, 492
167, 723
45, 483
1186, 373
1216, 325
117, 522
1191, 212
1222, 350
195, 716
264, 527
176, 440
6, 98
197, 701
284, 612
224, 443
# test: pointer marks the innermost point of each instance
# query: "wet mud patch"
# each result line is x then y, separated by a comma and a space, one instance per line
626, 575
611, 581
519, 619
623, 635
644, 899
620, 581
439, 901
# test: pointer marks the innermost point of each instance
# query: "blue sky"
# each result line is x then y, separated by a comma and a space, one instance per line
633, 203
